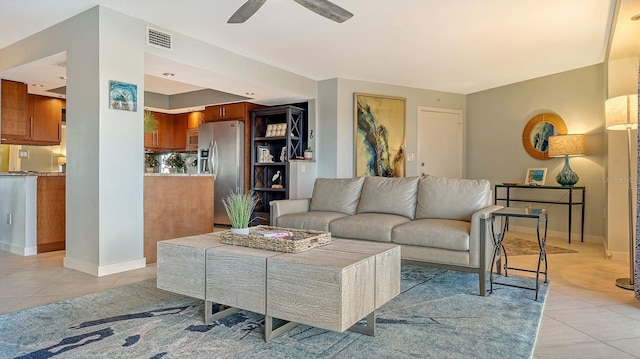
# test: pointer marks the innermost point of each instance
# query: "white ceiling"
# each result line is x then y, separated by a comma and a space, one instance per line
460, 46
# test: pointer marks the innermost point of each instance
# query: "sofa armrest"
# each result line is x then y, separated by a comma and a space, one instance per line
485, 213
480, 241
288, 206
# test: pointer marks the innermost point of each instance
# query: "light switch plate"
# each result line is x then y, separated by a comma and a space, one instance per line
23, 153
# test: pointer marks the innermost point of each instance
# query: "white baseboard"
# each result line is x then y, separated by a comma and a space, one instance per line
100, 271
19, 250
617, 256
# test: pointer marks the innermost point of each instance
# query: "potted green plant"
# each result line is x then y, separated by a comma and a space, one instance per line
150, 162
308, 153
175, 161
150, 122
239, 207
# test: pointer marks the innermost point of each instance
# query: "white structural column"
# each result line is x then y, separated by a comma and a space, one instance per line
104, 146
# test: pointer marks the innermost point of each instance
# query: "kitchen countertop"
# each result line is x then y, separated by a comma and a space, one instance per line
32, 173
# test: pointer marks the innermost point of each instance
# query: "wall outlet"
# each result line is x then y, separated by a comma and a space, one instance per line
9, 218
411, 157
23, 153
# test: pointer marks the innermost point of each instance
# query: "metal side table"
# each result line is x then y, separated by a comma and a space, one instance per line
499, 252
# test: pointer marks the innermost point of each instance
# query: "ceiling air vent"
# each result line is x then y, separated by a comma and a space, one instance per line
159, 39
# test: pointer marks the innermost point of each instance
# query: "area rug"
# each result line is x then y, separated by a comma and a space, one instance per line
437, 315
521, 247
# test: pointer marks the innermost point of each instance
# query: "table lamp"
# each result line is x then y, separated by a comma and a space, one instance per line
621, 113
566, 145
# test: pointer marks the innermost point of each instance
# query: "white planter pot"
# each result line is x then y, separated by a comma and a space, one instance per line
308, 155
243, 231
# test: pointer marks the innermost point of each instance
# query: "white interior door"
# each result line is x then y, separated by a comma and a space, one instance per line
440, 142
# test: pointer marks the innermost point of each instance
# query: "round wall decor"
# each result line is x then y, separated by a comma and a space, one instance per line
535, 137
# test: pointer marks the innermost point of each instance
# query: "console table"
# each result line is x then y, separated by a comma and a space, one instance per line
570, 202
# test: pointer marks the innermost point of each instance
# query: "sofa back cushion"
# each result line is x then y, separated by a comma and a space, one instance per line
336, 195
389, 195
451, 198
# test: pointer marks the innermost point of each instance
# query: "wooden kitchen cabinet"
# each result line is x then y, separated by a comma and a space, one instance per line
15, 120
180, 131
226, 112
51, 219
46, 114
162, 138
196, 118
29, 119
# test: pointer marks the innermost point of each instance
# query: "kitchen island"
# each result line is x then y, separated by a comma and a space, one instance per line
32, 212
176, 205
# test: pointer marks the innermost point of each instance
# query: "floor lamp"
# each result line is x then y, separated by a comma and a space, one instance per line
621, 113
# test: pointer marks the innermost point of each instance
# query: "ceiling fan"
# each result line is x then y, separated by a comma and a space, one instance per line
321, 7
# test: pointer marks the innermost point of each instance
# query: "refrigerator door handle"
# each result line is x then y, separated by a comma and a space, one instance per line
209, 165
214, 161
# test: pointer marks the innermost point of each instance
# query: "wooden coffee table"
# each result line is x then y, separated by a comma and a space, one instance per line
331, 287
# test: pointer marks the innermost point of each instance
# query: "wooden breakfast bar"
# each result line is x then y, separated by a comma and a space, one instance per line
176, 205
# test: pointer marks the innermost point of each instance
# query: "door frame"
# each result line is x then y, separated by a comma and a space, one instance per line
460, 113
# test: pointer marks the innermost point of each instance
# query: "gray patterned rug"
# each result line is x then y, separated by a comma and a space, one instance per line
437, 315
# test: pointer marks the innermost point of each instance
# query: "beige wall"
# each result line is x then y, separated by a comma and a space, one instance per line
496, 119
335, 122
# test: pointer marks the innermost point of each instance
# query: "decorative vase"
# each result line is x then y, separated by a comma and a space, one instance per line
243, 231
308, 155
567, 177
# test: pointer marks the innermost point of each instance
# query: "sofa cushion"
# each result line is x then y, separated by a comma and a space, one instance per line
451, 198
316, 220
336, 195
389, 195
369, 226
434, 233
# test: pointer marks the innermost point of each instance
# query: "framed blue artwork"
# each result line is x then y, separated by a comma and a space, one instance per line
379, 135
123, 96
535, 137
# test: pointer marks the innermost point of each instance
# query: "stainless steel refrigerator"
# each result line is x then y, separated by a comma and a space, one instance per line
221, 153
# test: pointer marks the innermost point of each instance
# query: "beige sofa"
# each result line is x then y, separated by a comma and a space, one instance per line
440, 221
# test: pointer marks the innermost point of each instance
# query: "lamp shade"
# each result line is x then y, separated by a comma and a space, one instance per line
621, 112
566, 145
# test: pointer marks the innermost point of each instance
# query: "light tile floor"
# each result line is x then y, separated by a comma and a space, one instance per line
585, 316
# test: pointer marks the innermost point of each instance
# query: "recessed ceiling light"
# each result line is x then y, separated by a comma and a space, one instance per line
635, 17
168, 74
63, 77
37, 85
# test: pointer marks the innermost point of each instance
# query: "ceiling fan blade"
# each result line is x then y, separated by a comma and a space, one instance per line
245, 11
327, 9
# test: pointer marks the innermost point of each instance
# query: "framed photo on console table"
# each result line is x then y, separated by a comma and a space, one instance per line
379, 123
535, 176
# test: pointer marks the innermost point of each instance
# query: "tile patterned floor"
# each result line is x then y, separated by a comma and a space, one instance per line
586, 315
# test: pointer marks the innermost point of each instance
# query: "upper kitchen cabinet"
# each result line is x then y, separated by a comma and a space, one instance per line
46, 114
226, 112
180, 131
170, 135
162, 138
29, 119
15, 120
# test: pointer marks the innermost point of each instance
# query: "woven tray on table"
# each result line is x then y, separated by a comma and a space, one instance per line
299, 241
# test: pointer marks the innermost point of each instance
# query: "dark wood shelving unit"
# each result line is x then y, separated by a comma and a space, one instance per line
293, 141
